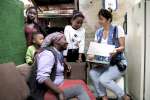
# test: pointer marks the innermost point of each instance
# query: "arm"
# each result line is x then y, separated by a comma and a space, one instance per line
29, 58
91, 56
121, 37
52, 86
122, 44
120, 48
81, 45
55, 89
45, 63
66, 33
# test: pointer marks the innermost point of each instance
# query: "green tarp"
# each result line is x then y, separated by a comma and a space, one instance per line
12, 39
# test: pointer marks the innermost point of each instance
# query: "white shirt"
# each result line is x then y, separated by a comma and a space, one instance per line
73, 37
45, 63
104, 41
120, 34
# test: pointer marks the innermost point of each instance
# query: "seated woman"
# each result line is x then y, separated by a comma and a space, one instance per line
104, 76
48, 74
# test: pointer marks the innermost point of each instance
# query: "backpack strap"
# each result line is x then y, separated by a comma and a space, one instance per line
115, 35
99, 34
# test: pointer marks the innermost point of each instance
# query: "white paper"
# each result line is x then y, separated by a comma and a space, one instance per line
111, 4
100, 49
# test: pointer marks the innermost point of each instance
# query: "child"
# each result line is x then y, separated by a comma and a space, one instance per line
32, 25
75, 36
37, 41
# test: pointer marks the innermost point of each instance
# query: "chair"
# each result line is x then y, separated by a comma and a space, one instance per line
12, 85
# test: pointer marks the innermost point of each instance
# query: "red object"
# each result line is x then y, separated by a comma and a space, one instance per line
67, 84
28, 33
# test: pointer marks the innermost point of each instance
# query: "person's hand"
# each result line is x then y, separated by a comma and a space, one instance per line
61, 96
112, 54
68, 67
90, 57
30, 63
79, 60
67, 70
77, 44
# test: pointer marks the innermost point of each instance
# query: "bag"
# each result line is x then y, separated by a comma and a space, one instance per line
121, 63
37, 90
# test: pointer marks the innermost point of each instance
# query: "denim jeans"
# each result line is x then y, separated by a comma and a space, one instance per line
76, 91
104, 77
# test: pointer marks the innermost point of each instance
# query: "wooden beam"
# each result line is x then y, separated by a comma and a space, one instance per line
34, 3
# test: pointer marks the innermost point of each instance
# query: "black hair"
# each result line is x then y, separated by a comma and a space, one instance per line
50, 30
28, 9
76, 14
34, 34
105, 13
